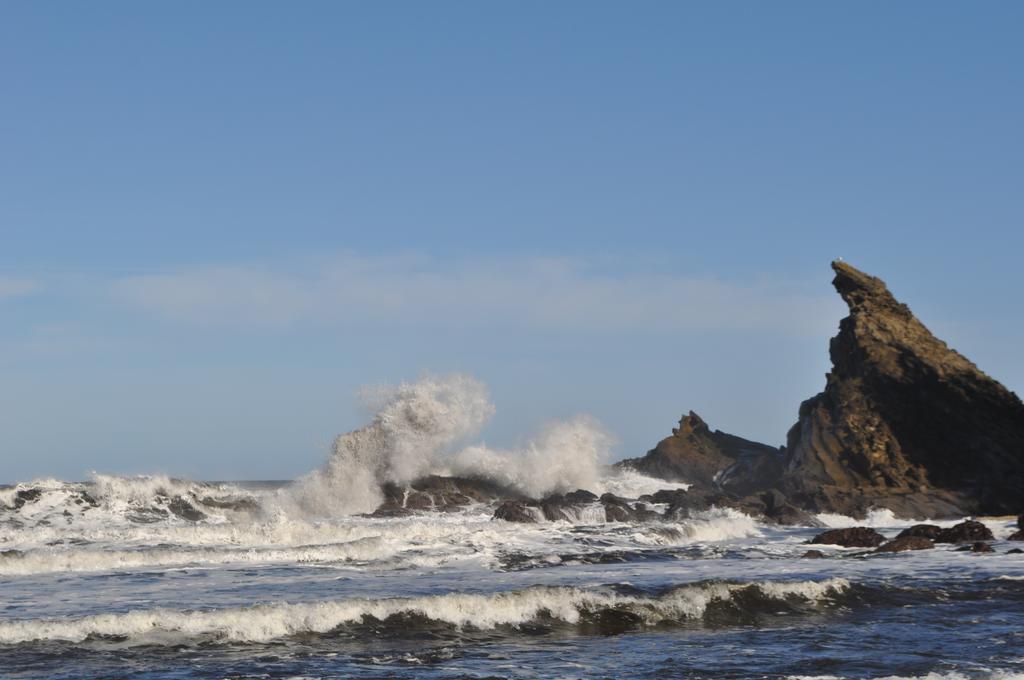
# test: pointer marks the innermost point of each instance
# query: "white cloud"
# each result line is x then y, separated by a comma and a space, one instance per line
16, 287
523, 292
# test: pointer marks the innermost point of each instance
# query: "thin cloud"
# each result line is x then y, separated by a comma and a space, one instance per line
536, 293
17, 287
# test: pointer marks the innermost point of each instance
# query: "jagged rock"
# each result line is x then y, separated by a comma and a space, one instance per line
813, 554
904, 420
853, 537
929, 531
903, 543
515, 511
710, 460
1016, 536
965, 532
977, 547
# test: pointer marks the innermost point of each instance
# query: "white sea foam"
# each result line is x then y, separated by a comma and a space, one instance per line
87, 560
481, 611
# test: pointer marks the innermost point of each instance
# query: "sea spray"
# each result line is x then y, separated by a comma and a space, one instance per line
565, 456
416, 431
414, 425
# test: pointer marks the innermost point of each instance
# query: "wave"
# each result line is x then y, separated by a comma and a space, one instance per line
515, 609
27, 563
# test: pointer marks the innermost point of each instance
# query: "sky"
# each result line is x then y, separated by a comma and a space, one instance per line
220, 221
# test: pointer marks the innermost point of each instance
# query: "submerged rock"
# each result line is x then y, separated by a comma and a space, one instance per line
853, 537
904, 421
813, 555
977, 547
904, 543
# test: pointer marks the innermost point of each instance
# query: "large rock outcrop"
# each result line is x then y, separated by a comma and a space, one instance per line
711, 459
904, 421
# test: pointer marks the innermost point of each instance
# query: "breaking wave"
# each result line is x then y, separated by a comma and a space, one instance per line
573, 606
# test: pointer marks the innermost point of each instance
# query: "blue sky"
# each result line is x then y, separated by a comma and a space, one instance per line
219, 220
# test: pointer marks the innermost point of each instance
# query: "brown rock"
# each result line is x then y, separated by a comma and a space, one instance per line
1017, 536
711, 459
813, 555
965, 532
516, 511
903, 415
929, 531
853, 537
904, 543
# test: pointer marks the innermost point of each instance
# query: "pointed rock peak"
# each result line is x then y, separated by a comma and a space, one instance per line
691, 423
858, 288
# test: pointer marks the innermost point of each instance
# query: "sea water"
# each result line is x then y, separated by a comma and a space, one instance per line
142, 577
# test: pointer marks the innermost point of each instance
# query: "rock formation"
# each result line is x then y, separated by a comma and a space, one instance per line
904, 421
711, 460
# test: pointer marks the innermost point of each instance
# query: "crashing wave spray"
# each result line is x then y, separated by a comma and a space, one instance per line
414, 424
415, 432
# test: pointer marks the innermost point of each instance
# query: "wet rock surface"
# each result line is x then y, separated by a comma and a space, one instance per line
904, 543
965, 532
852, 537
929, 531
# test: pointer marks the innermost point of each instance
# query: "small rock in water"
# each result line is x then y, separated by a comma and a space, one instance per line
813, 554
965, 532
515, 511
1015, 551
929, 531
1017, 536
904, 543
853, 537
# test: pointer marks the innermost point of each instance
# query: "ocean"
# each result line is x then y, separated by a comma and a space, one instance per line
151, 577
